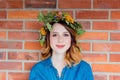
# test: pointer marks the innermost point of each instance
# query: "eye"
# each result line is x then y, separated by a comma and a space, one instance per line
66, 35
54, 35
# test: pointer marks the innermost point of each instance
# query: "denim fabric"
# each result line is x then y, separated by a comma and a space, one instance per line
44, 70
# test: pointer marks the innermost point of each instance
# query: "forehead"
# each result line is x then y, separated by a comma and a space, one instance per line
57, 27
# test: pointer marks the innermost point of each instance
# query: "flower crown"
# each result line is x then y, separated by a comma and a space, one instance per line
56, 17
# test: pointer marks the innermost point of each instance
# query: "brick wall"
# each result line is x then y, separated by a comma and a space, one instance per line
19, 34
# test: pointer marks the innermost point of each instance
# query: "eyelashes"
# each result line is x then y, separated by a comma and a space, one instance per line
67, 35
54, 35
64, 35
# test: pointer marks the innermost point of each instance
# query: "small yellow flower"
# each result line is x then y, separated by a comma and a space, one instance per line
69, 18
59, 15
42, 31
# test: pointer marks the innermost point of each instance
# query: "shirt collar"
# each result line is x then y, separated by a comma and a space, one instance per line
48, 63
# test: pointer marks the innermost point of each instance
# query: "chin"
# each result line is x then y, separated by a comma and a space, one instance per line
60, 50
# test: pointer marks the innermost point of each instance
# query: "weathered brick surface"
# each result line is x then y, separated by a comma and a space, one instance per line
100, 77
2, 55
94, 57
29, 65
18, 76
106, 68
2, 14
2, 76
9, 25
23, 35
115, 15
114, 77
11, 4
115, 57
91, 14
22, 14
2, 35
23, 55
106, 25
106, 4
85, 46
10, 65
32, 46
94, 36
10, 45
40, 3
115, 36
74, 4
106, 47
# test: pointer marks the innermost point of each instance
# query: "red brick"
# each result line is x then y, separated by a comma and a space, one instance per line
33, 25
2, 35
29, 65
23, 35
115, 15
84, 46
106, 26
11, 4
2, 76
32, 46
22, 14
10, 45
95, 57
75, 4
17, 25
91, 14
114, 68
109, 47
111, 4
94, 36
40, 3
2, 55
115, 36
2, 14
10, 65
114, 77
23, 55
85, 25
115, 57
100, 77
18, 76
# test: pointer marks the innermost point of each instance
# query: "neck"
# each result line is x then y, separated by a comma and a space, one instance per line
58, 61
58, 56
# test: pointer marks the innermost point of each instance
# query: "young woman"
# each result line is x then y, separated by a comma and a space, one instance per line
61, 56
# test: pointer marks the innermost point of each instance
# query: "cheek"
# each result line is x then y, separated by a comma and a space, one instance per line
52, 40
68, 41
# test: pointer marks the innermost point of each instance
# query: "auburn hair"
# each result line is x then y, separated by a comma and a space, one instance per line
72, 56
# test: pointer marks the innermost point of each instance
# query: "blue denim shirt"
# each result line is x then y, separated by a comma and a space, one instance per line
44, 70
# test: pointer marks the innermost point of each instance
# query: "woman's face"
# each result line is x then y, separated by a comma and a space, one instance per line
60, 39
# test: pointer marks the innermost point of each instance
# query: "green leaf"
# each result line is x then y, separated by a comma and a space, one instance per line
42, 40
40, 17
79, 32
72, 26
49, 26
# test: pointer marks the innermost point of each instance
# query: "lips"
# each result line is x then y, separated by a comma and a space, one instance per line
60, 46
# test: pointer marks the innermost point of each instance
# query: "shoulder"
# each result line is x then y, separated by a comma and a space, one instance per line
84, 65
41, 64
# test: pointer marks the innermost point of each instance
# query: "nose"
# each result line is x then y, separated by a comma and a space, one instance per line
60, 39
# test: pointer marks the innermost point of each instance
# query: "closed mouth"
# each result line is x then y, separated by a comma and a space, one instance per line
60, 46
